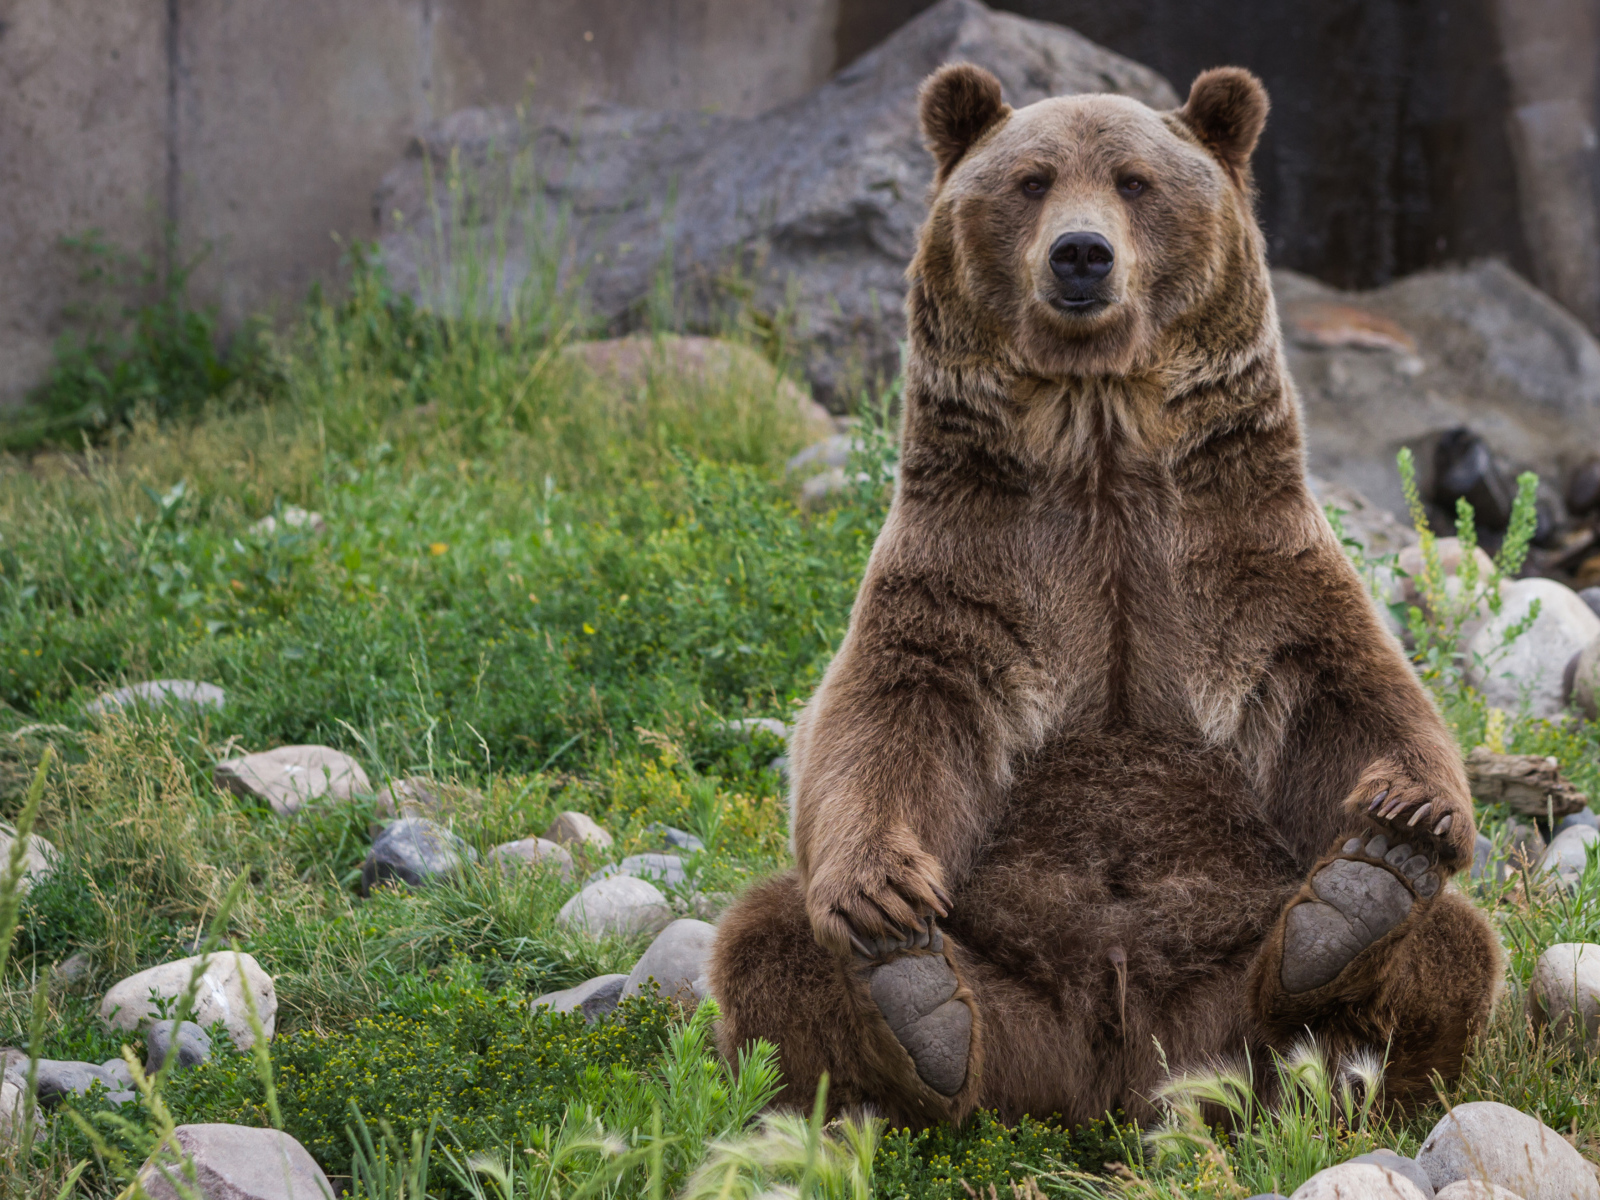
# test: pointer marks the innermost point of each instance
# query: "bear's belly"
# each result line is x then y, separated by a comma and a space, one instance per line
1124, 871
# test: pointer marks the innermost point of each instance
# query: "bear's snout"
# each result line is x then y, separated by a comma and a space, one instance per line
1079, 262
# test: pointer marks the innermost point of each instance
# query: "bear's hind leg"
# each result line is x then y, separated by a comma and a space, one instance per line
1374, 954
899, 1034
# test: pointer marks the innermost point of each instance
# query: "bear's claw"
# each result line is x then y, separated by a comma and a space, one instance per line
1357, 902
916, 994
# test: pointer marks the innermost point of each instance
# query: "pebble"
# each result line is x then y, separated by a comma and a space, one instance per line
1495, 1143
535, 851
1359, 1181
235, 1162
618, 905
194, 1047
577, 829
39, 859
1534, 665
676, 839
594, 998
219, 996
290, 776
1565, 992
155, 693
413, 851
664, 869
678, 961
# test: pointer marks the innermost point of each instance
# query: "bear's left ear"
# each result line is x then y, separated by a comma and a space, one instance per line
1226, 109
958, 103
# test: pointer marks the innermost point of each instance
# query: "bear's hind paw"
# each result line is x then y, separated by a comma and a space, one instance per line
916, 995
1357, 902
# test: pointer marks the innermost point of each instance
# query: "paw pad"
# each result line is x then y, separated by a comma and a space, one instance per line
1357, 903
916, 996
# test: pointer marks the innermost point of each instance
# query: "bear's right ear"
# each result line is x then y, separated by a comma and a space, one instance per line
958, 103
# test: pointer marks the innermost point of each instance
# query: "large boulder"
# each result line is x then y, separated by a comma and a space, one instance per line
1474, 346
219, 996
291, 776
1494, 1143
234, 1162
677, 963
812, 207
1359, 1181
413, 851
1534, 666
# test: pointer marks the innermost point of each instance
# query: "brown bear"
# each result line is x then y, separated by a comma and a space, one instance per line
1116, 769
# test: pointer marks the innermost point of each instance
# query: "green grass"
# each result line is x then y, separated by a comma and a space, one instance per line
551, 593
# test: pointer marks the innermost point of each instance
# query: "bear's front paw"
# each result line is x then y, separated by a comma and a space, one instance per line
1439, 826
878, 906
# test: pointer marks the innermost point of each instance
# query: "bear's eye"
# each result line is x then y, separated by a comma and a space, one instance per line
1035, 186
1131, 186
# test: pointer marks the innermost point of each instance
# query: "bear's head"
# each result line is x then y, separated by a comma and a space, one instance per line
1077, 235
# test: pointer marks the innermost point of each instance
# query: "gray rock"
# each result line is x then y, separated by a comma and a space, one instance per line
1591, 597
1568, 854
1533, 667
117, 1071
1583, 686
1473, 346
236, 1162
677, 961
194, 1047
58, 1079
1484, 863
576, 829
1360, 1181
39, 859
593, 998
665, 869
413, 850
620, 904
1495, 1143
534, 852
156, 693
291, 776
125, 1096
1586, 817
676, 839
74, 968
818, 200
1565, 991
1410, 1168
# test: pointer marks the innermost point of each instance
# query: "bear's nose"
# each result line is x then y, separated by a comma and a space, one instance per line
1081, 256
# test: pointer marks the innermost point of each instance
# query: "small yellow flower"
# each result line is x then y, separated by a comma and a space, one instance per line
588, 628
438, 548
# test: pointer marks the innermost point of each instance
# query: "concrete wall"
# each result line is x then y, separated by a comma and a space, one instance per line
257, 130
1404, 134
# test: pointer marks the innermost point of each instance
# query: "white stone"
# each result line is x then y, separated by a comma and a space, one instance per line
1568, 854
235, 1162
156, 692
664, 869
219, 995
1535, 664
291, 776
1565, 991
1494, 1143
534, 852
577, 829
1471, 1189
38, 860
678, 960
620, 904
1358, 1181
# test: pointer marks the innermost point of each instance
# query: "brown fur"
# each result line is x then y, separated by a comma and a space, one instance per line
1110, 683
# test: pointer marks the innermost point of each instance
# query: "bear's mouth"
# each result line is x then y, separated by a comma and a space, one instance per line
1079, 306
